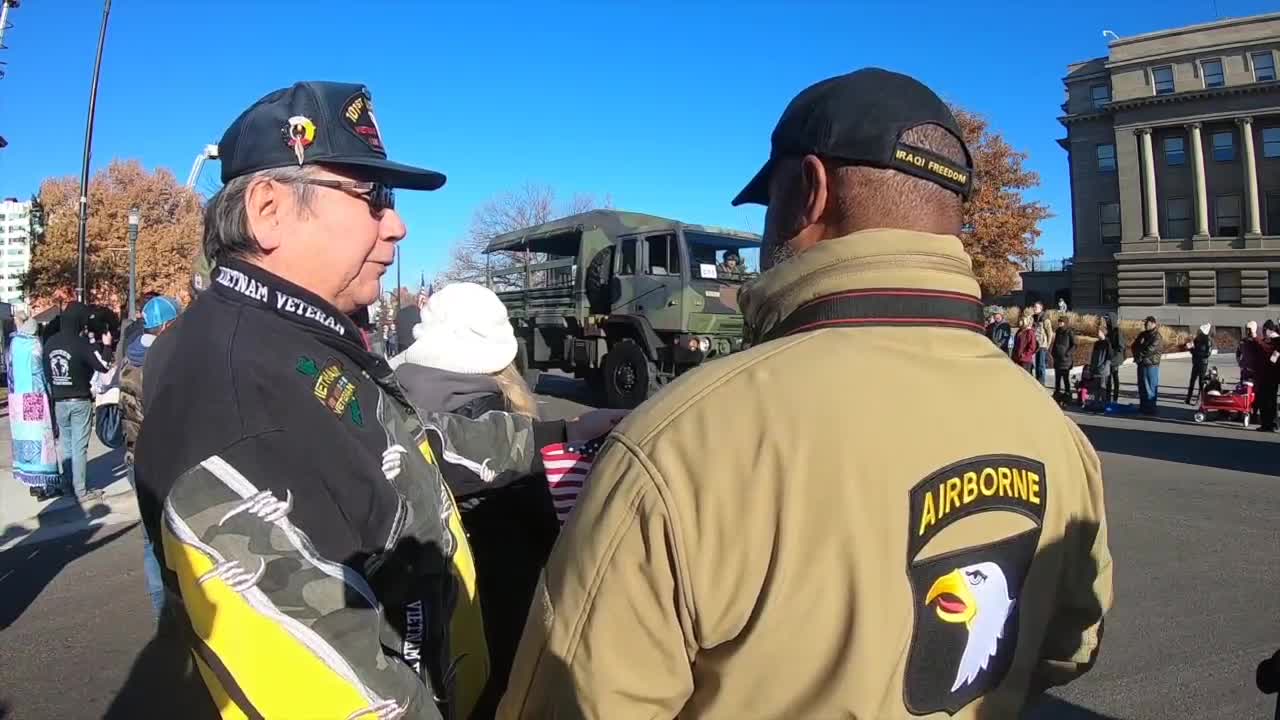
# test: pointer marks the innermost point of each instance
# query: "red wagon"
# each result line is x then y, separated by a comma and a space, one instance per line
1237, 405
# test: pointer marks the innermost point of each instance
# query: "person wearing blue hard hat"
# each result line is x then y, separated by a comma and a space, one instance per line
159, 312
157, 316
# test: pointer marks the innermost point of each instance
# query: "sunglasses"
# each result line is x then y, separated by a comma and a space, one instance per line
379, 196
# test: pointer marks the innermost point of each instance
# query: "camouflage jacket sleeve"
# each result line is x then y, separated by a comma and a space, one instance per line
280, 628
489, 452
610, 633
1074, 635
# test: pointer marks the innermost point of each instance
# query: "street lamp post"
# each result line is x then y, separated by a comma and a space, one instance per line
82, 249
135, 217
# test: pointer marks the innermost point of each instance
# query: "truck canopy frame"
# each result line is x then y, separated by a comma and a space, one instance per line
560, 237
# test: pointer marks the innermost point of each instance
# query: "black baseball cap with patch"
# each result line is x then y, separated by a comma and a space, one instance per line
859, 118
313, 123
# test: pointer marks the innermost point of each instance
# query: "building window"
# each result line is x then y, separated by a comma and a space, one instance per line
1177, 287
1163, 79
1177, 219
1109, 293
1226, 215
1228, 287
1212, 72
1175, 152
1271, 142
1101, 95
1272, 210
1109, 222
1264, 66
1273, 287
1224, 146
1107, 158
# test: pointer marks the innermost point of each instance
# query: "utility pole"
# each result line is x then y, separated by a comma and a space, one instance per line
84, 167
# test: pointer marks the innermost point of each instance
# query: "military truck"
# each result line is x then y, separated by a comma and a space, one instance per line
624, 300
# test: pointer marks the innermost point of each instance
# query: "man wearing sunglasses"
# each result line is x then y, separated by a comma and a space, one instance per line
313, 557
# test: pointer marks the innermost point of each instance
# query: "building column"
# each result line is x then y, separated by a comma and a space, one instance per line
1254, 226
1149, 185
1201, 194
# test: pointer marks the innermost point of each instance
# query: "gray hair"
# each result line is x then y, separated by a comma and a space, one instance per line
226, 221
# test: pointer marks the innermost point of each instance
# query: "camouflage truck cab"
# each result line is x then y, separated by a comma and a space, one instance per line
625, 300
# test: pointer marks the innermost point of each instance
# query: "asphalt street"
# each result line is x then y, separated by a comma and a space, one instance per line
1192, 512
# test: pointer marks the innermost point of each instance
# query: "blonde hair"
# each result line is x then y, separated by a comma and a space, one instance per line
519, 397
1025, 321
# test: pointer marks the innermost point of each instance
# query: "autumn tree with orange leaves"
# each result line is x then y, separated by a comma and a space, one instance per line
168, 237
1000, 226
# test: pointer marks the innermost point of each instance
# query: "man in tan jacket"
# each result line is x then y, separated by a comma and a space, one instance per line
869, 514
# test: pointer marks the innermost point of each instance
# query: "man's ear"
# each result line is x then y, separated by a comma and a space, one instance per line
813, 174
263, 205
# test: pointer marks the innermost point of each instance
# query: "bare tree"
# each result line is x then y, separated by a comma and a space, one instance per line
532, 204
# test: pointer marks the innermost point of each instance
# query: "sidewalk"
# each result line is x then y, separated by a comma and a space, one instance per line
25, 519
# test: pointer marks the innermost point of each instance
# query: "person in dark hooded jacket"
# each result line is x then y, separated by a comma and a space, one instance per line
1116, 343
69, 363
1201, 348
1064, 348
1267, 374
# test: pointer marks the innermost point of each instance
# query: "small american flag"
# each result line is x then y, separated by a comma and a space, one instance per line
567, 467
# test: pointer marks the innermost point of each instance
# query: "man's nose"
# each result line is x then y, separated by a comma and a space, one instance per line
392, 226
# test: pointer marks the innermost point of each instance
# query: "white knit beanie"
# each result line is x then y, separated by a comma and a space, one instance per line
1205, 328
464, 329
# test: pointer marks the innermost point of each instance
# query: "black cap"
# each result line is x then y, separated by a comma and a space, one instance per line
859, 118
312, 123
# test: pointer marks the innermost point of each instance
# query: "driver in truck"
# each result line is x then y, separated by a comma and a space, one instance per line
732, 264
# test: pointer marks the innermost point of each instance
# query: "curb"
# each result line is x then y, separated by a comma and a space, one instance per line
69, 518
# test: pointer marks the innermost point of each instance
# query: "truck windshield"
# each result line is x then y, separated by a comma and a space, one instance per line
721, 257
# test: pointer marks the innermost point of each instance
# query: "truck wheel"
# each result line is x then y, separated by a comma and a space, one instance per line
629, 376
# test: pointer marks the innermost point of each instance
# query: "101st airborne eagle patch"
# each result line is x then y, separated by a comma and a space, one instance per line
966, 602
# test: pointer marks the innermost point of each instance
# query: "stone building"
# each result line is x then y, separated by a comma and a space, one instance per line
1173, 146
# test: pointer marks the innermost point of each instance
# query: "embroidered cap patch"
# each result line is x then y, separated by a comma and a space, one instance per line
357, 112
966, 602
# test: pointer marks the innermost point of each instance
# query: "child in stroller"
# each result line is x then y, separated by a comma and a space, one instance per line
1213, 385
1089, 391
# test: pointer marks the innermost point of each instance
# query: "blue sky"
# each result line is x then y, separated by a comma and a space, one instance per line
666, 105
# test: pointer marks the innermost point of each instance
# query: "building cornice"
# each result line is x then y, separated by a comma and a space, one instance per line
1173, 98
1172, 55
1100, 74
1190, 29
